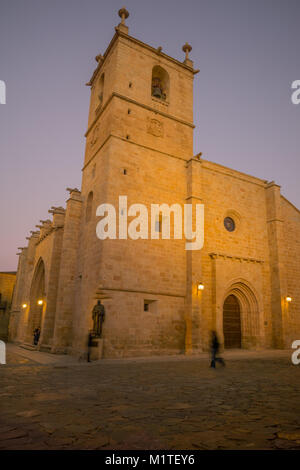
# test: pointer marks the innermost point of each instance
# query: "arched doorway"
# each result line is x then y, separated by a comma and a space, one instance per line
232, 323
37, 299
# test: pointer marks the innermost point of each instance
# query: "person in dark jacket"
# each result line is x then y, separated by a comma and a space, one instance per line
90, 343
215, 346
36, 336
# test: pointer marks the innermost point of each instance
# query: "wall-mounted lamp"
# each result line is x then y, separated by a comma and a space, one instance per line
288, 298
40, 302
24, 306
200, 286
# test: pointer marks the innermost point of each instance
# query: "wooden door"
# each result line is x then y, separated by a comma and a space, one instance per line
232, 323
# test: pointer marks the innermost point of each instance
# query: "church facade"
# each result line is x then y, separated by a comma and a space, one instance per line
159, 298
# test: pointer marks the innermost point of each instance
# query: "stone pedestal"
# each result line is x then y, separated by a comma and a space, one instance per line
96, 349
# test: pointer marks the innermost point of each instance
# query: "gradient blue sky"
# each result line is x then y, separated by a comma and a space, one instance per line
248, 55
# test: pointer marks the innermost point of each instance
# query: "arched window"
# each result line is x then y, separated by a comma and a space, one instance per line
100, 94
89, 207
160, 83
101, 88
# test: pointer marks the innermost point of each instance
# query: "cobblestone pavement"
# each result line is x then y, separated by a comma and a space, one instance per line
51, 402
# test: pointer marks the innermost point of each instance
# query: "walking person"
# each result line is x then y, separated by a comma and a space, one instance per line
215, 346
36, 336
90, 343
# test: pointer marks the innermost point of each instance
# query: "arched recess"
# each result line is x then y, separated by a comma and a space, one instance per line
89, 207
160, 84
37, 293
249, 312
232, 323
101, 89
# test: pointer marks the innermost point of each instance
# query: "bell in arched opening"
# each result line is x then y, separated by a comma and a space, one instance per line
157, 90
160, 83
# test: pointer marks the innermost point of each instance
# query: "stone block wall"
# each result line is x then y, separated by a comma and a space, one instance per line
7, 283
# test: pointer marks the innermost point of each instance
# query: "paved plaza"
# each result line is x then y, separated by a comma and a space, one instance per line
178, 402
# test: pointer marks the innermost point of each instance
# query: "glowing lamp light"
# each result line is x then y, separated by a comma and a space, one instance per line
40, 302
200, 286
24, 306
288, 298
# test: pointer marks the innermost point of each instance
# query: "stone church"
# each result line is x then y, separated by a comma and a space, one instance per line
159, 298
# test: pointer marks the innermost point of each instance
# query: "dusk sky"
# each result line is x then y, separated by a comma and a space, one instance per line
248, 55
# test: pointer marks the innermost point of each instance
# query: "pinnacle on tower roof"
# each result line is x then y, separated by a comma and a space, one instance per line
123, 14
187, 49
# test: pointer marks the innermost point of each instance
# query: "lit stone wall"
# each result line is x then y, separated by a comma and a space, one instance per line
7, 283
291, 250
136, 146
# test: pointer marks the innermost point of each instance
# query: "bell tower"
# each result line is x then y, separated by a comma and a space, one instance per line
138, 142
141, 95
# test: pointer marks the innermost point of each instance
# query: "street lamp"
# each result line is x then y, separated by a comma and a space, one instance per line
40, 302
288, 298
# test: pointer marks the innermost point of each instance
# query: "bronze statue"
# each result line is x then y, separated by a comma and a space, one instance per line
98, 318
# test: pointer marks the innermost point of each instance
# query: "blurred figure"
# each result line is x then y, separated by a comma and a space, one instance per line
215, 346
90, 343
36, 336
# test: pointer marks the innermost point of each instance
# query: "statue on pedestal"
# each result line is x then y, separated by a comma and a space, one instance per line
98, 318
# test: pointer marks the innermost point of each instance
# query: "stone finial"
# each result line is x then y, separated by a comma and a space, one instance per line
48, 221
71, 190
187, 49
74, 195
159, 49
58, 216
56, 210
123, 14
34, 233
99, 58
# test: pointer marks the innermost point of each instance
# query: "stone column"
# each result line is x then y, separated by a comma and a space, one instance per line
16, 307
25, 331
193, 311
49, 309
19, 316
62, 340
277, 268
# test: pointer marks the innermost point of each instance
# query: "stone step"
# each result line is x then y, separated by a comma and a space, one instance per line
45, 348
28, 346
